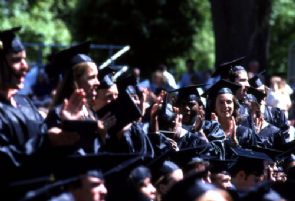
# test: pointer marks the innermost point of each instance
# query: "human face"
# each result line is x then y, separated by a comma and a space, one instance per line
251, 180
242, 79
224, 105
148, 189
19, 67
93, 189
89, 82
189, 111
223, 180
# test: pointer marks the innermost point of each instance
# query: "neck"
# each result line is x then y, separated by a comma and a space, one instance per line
225, 124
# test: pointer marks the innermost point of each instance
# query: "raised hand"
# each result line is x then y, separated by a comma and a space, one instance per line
73, 108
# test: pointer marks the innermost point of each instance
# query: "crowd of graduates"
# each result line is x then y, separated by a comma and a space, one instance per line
106, 137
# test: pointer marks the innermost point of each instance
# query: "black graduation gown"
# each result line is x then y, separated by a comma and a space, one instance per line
89, 143
276, 117
134, 140
23, 133
272, 137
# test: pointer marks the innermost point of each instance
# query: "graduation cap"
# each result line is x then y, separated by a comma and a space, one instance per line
217, 165
246, 157
63, 61
258, 96
188, 93
124, 109
66, 170
189, 156
221, 87
188, 189
226, 68
105, 77
124, 81
9, 42
274, 154
162, 166
256, 80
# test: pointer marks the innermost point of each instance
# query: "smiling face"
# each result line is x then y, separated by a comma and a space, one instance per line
18, 69
224, 105
88, 80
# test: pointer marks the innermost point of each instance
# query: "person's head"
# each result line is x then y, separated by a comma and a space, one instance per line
78, 71
189, 103
170, 174
247, 172
240, 76
222, 101
140, 180
92, 187
12, 60
85, 77
221, 179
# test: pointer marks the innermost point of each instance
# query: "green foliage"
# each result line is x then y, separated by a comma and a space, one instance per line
203, 51
39, 21
158, 31
282, 34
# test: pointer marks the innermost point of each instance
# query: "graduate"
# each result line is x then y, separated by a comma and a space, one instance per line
223, 107
75, 96
23, 134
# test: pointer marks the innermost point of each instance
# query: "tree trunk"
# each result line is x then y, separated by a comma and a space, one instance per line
241, 28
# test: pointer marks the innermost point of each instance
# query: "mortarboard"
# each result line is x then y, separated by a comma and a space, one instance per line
105, 77
9, 42
258, 95
64, 60
217, 166
162, 166
274, 154
188, 189
221, 87
246, 157
66, 171
124, 81
256, 80
189, 156
124, 109
226, 68
188, 93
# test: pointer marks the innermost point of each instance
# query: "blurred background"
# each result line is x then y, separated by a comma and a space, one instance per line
160, 31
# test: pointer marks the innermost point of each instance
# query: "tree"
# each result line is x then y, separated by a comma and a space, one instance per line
157, 30
241, 29
39, 21
282, 29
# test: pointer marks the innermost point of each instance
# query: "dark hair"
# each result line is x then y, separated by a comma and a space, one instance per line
210, 108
